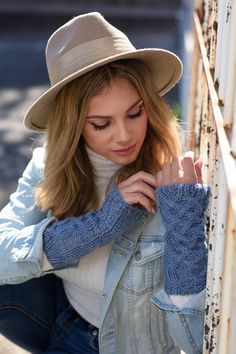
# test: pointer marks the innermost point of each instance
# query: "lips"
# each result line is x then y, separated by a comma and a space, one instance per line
125, 152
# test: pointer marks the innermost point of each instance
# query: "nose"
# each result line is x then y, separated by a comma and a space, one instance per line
123, 133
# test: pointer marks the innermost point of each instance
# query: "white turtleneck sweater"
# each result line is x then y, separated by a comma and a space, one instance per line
83, 284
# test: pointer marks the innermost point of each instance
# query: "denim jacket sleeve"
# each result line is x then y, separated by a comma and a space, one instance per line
21, 227
186, 323
25, 232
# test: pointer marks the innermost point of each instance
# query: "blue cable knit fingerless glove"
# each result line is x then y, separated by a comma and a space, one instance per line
66, 241
182, 208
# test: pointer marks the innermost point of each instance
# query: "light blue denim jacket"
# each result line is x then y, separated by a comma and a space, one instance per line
137, 316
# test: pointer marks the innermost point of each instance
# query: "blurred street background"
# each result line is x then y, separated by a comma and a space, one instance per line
25, 27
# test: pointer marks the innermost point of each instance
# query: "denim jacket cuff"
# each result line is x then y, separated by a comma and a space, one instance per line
195, 306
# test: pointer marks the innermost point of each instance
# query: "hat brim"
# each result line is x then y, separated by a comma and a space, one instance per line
164, 66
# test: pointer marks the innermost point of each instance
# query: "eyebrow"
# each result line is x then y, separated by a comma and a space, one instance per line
132, 106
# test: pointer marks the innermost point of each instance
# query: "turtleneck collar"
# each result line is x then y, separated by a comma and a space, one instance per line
102, 166
104, 170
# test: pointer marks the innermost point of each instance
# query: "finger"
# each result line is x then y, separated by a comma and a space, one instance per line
198, 170
189, 175
176, 170
140, 199
141, 187
166, 174
140, 176
159, 179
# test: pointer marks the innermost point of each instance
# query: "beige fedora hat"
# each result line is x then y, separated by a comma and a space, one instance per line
87, 42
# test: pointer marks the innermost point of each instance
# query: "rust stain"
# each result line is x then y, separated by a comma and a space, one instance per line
208, 149
215, 25
207, 224
229, 9
211, 140
221, 102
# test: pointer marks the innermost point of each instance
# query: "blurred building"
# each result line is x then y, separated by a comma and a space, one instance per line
24, 29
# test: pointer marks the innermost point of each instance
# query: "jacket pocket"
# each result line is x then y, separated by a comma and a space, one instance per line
144, 270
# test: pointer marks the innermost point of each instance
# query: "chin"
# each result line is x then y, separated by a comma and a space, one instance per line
124, 160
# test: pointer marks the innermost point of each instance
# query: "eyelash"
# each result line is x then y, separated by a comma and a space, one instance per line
100, 127
138, 114
131, 116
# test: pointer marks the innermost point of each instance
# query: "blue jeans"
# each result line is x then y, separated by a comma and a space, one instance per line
37, 316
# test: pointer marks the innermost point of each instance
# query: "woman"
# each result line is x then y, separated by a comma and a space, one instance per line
108, 206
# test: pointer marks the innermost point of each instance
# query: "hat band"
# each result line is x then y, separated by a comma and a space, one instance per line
86, 54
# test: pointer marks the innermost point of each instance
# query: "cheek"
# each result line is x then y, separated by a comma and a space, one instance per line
142, 128
96, 140
88, 135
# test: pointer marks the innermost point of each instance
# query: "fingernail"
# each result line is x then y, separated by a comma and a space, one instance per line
189, 154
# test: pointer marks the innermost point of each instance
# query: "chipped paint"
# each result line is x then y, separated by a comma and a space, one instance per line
228, 12
213, 122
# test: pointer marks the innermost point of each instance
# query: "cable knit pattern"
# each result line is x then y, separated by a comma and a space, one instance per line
182, 208
66, 241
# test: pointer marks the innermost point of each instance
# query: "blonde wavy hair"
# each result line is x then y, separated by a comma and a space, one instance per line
68, 187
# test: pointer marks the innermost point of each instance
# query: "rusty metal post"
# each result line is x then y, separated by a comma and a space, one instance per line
213, 126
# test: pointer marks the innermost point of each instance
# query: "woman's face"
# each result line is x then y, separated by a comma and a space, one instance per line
116, 122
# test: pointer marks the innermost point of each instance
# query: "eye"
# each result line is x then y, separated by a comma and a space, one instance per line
100, 127
138, 113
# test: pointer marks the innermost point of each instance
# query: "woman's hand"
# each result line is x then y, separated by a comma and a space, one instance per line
139, 189
182, 170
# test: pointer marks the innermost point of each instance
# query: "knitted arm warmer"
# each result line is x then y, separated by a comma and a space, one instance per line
182, 208
66, 241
